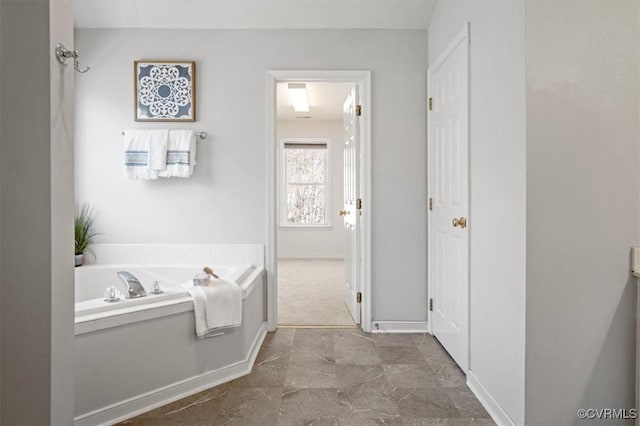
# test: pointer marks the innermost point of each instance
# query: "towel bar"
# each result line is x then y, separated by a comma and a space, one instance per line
201, 135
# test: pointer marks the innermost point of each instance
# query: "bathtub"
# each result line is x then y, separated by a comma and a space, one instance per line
92, 281
137, 354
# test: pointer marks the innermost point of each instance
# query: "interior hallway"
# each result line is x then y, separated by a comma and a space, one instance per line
311, 291
335, 377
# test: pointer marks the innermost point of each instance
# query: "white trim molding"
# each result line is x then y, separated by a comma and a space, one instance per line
491, 405
139, 404
362, 79
399, 327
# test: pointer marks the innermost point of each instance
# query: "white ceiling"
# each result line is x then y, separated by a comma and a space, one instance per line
325, 101
239, 14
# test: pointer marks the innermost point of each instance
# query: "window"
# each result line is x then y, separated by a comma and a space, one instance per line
305, 183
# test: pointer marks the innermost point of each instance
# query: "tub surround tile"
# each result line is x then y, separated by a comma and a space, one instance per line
336, 377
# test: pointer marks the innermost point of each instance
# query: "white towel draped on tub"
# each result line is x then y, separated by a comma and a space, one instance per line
216, 306
181, 154
145, 153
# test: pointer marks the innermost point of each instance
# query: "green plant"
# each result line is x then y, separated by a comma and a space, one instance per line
84, 228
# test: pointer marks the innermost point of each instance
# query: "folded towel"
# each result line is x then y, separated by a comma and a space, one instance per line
216, 306
181, 154
145, 153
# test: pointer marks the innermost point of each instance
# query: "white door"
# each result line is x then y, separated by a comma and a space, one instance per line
350, 211
449, 199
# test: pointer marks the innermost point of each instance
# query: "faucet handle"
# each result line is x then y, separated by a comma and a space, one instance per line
111, 294
157, 289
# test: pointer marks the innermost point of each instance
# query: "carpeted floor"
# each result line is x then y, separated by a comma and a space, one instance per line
310, 292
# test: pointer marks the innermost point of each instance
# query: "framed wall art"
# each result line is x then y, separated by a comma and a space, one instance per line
164, 90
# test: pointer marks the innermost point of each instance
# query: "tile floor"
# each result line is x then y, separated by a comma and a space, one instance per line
335, 377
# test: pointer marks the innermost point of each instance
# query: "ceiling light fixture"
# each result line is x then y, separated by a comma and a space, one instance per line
298, 96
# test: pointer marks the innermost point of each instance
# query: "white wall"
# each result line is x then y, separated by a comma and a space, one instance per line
36, 282
582, 207
497, 173
321, 242
226, 199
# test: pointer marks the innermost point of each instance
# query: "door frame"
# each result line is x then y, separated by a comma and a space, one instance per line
361, 78
461, 37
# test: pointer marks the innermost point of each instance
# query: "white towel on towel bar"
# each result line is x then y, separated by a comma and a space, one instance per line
181, 154
216, 306
145, 153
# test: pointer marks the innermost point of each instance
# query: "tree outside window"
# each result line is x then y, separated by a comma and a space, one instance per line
305, 184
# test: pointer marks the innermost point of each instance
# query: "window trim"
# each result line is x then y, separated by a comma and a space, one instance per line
282, 207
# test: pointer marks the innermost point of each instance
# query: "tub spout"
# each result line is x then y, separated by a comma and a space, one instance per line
132, 284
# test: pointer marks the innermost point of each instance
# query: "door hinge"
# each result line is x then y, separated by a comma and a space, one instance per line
359, 204
430, 203
430, 104
359, 297
358, 110
431, 304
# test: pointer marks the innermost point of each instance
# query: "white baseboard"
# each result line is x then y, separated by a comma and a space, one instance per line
493, 408
399, 327
131, 407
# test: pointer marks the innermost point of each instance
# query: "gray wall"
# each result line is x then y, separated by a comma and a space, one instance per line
582, 207
62, 200
36, 362
497, 173
320, 242
226, 200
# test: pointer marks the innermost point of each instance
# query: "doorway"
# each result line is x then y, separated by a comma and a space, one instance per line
319, 181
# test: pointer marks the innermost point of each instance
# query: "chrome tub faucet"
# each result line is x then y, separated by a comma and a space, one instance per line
132, 284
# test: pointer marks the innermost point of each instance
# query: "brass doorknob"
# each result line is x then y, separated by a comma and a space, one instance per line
461, 222
343, 212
